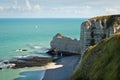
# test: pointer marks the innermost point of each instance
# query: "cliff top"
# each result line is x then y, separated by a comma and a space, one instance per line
104, 17
59, 35
110, 19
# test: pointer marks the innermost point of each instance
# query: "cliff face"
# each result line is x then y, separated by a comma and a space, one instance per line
92, 32
65, 44
98, 28
101, 61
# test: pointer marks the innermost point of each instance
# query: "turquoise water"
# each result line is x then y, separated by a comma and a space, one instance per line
33, 35
34, 73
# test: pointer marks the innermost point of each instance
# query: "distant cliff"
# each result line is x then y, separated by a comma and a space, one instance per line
101, 61
95, 29
65, 44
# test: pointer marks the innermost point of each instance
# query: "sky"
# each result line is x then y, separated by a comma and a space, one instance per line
58, 8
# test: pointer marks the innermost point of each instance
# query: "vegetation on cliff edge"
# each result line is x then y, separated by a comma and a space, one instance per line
100, 62
110, 19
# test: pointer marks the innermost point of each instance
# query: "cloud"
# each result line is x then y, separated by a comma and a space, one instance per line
72, 8
1, 8
32, 8
37, 7
28, 5
112, 10
87, 7
69, 11
15, 6
58, 8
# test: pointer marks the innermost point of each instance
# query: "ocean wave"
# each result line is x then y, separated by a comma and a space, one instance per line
22, 57
5, 64
21, 50
33, 46
37, 47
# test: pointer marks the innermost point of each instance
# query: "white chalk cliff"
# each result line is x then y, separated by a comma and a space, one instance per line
95, 29
66, 44
92, 31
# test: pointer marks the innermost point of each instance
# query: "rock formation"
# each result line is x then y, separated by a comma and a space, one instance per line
30, 61
95, 29
26, 61
65, 44
92, 32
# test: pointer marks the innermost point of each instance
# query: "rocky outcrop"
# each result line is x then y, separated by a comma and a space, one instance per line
95, 29
26, 61
31, 62
65, 44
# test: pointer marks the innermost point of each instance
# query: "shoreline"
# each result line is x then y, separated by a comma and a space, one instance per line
61, 69
58, 67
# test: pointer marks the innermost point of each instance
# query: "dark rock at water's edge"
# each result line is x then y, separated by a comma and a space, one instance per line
0, 68
21, 50
30, 62
24, 49
54, 52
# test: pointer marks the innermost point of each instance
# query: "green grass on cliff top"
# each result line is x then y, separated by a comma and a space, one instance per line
104, 17
101, 62
110, 19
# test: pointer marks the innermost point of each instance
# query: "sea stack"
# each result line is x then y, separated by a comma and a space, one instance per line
65, 45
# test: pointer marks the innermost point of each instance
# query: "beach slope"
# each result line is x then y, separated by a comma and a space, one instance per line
63, 72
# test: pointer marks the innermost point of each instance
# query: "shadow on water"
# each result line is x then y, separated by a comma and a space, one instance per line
31, 75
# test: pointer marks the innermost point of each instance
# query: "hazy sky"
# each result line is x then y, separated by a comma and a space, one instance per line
57, 8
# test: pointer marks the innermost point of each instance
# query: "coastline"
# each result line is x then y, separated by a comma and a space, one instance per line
28, 37
61, 69
59, 66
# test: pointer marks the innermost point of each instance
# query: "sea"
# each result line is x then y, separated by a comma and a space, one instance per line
33, 35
